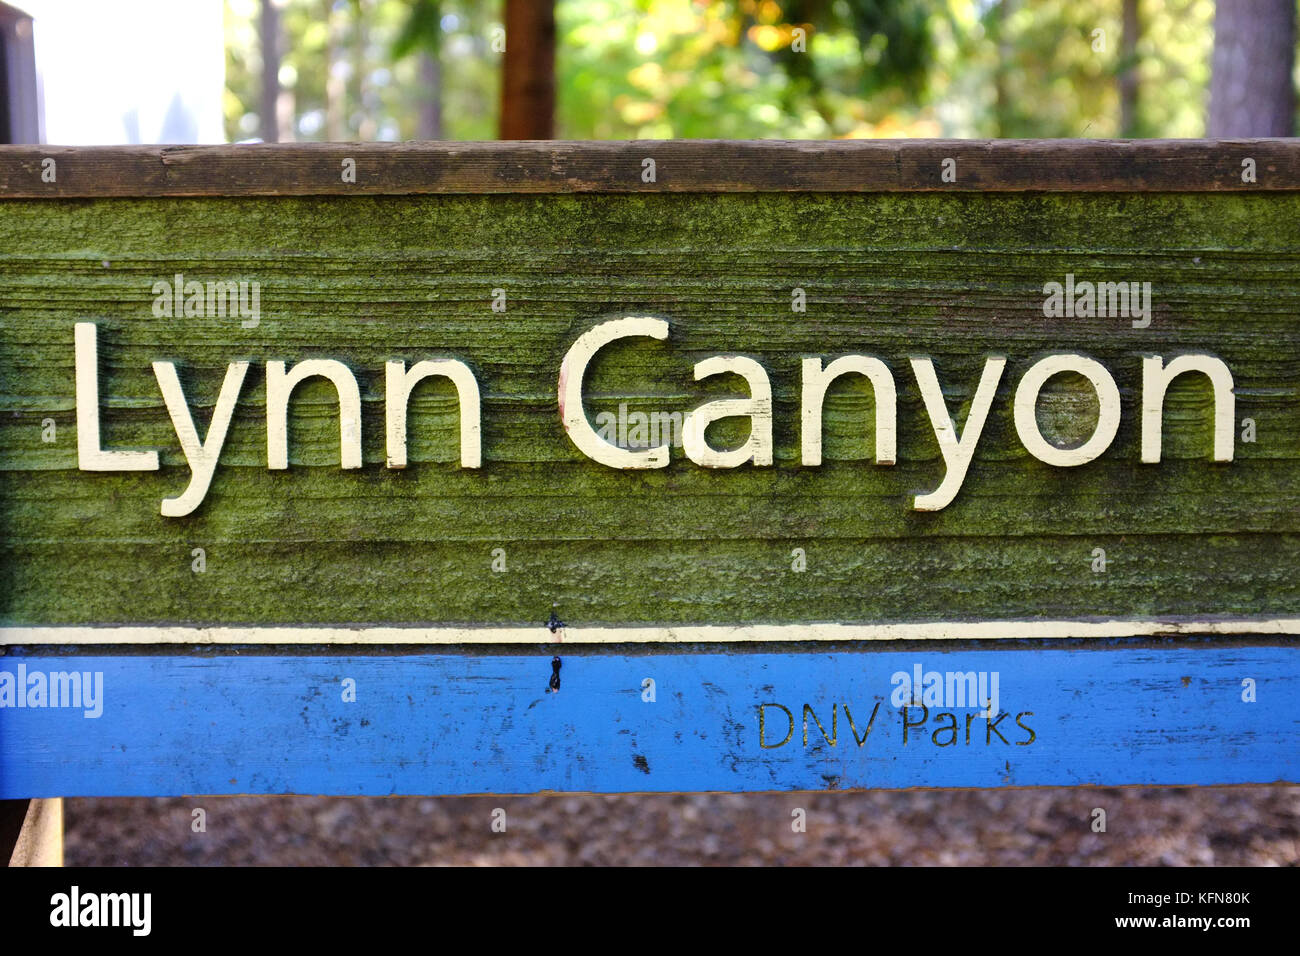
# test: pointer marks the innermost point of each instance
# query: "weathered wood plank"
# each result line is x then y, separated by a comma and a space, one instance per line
453, 724
679, 166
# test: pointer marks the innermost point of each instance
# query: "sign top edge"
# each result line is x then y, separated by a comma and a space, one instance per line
650, 166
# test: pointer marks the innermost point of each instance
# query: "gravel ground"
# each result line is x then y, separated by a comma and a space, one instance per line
1250, 826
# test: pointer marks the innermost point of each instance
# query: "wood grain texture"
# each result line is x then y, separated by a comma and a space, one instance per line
459, 724
365, 279
680, 166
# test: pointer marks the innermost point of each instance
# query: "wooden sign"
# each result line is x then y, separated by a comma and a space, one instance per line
648, 466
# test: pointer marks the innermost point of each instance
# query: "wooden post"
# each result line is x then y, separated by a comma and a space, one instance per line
39, 838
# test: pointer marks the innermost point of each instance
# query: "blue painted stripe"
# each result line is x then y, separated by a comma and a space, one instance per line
448, 724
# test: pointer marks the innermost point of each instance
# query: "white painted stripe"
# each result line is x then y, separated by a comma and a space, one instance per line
931, 630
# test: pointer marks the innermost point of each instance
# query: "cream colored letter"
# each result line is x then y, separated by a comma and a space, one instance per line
279, 385
572, 413
91, 456
201, 455
957, 452
1156, 377
815, 382
398, 382
758, 446
1026, 410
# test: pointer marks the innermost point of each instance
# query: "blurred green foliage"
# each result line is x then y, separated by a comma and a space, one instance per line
350, 67
738, 68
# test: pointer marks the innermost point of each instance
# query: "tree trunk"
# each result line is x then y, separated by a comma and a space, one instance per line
1128, 77
1251, 93
270, 30
336, 126
1001, 102
360, 93
431, 105
528, 81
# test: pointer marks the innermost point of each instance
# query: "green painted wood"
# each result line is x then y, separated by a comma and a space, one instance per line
368, 278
